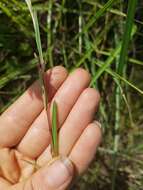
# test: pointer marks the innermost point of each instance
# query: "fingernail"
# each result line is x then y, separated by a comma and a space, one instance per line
59, 172
98, 124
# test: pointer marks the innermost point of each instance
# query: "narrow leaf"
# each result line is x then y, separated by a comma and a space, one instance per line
55, 151
41, 63
127, 34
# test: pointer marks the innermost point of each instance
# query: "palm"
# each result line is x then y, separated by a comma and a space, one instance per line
25, 134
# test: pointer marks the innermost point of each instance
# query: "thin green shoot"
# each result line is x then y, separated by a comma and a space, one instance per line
127, 34
49, 34
55, 146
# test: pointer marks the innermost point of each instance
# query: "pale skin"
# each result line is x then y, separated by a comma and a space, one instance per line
25, 153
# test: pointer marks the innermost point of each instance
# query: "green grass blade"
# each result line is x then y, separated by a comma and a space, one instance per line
55, 147
127, 34
117, 76
5, 79
49, 34
121, 66
110, 59
107, 63
36, 29
37, 35
41, 62
94, 18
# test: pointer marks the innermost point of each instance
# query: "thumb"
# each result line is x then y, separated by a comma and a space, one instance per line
57, 176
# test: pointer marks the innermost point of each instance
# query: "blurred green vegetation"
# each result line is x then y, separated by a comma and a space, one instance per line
89, 34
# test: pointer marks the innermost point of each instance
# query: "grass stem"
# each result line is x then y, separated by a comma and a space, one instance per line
120, 68
49, 34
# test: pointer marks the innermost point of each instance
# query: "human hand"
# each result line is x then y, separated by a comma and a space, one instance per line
25, 134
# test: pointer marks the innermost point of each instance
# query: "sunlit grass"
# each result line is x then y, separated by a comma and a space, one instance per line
95, 35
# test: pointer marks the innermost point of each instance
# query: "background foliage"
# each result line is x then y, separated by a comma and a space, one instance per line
87, 33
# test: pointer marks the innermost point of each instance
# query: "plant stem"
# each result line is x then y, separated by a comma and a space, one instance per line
80, 28
49, 34
127, 34
120, 68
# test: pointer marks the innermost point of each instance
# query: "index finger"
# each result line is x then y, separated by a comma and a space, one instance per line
16, 120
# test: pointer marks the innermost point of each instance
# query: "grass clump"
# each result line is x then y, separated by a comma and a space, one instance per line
105, 38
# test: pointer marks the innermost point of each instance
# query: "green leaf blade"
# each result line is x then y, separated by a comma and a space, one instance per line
55, 147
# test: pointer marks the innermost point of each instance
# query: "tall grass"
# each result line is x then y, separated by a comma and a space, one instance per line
105, 38
121, 67
41, 68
